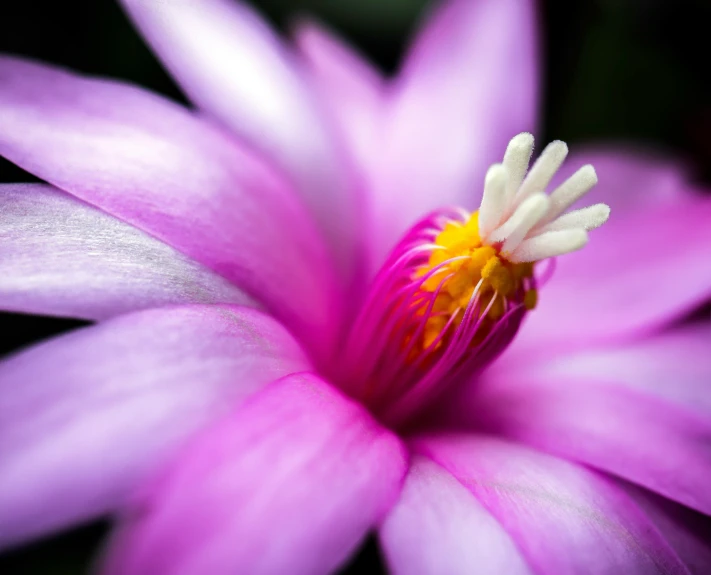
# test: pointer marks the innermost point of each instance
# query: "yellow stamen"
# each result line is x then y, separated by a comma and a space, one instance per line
477, 265
499, 276
530, 299
434, 327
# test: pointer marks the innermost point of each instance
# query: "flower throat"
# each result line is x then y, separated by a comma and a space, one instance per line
453, 293
459, 269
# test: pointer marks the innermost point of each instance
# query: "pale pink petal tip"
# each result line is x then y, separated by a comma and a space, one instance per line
235, 68
86, 417
161, 168
60, 256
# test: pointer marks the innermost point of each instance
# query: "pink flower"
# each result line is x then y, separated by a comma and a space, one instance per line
229, 256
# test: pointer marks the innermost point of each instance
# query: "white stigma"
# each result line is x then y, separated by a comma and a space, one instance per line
519, 218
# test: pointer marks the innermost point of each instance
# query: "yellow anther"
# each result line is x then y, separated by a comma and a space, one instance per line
459, 284
464, 297
472, 229
468, 265
434, 327
521, 271
452, 236
432, 283
497, 308
443, 303
480, 257
491, 267
530, 299
439, 256
498, 276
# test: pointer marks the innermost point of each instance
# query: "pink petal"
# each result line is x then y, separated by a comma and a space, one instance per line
469, 84
629, 179
643, 439
674, 366
60, 256
290, 483
687, 531
438, 527
234, 67
639, 271
352, 90
158, 167
86, 416
563, 518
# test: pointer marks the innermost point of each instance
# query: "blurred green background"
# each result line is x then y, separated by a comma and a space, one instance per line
613, 69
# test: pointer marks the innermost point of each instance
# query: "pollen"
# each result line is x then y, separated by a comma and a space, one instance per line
530, 299
461, 268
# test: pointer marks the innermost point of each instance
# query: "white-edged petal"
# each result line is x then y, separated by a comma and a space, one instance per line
493, 202
549, 245
585, 218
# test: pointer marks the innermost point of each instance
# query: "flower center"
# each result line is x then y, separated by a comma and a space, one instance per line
452, 294
460, 269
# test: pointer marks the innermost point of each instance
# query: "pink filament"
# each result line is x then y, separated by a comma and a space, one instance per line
380, 370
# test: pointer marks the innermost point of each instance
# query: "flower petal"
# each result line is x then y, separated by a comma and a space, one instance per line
290, 483
564, 518
235, 68
351, 89
640, 271
687, 531
629, 179
84, 417
674, 366
158, 167
468, 86
643, 439
60, 256
438, 527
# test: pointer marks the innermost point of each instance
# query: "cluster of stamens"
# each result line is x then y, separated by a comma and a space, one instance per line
459, 268
454, 291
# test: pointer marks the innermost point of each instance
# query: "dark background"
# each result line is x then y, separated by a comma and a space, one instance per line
613, 70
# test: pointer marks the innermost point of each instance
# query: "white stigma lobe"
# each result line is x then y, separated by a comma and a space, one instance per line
519, 218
